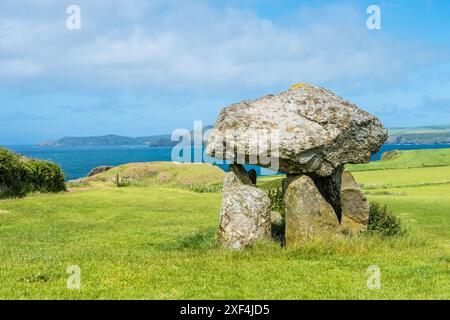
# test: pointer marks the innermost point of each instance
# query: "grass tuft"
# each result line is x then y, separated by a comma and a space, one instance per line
383, 222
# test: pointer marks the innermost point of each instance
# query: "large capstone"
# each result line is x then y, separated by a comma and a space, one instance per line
245, 215
308, 215
303, 130
355, 207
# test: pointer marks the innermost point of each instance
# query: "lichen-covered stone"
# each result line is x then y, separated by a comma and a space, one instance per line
329, 187
236, 175
245, 215
316, 131
354, 204
276, 217
308, 215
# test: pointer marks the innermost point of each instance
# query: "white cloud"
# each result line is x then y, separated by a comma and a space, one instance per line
191, 45
17, 68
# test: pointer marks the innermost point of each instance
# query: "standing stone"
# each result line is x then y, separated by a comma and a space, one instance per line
286, 181
252, 175
355, 207
308, 215
245, 212
236, 176
330, 187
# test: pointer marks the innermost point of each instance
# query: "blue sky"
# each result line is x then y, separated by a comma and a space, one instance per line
147, 67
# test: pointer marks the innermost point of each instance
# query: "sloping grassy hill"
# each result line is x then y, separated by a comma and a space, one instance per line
193, 176
155, 240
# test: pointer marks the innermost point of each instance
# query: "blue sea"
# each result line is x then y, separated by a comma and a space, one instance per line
77, 162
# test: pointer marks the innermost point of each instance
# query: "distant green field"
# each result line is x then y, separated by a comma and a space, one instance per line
403, 177
408, 159
156, 241
420, 130
425, 135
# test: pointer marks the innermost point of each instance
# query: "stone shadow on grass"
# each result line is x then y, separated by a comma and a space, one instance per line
201, 240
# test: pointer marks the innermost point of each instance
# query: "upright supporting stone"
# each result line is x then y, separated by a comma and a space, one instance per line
245, 213
308, 215
355, 207
252, 175
236, 176
330, 188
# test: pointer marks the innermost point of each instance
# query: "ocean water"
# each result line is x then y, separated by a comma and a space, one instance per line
77, 162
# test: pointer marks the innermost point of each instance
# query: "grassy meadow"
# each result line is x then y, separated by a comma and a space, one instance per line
153, 238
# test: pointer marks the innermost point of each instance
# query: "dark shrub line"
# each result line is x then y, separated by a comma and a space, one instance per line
20, 176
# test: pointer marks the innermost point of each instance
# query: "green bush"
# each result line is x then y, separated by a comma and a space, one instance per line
383, 222
276, 196
19, 176
44, 176
13, 175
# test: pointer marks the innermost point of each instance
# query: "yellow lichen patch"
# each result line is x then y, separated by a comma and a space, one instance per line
297, 86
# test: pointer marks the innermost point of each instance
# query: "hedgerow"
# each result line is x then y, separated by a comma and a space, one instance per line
19, 175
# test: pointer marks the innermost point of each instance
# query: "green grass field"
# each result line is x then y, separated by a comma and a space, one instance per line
408, 159
154, 239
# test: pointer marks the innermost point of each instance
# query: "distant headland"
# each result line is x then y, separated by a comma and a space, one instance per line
420, 135
110, 140
163, 140
405, 136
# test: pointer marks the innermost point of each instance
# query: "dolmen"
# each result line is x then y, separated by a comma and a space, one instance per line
308, 133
